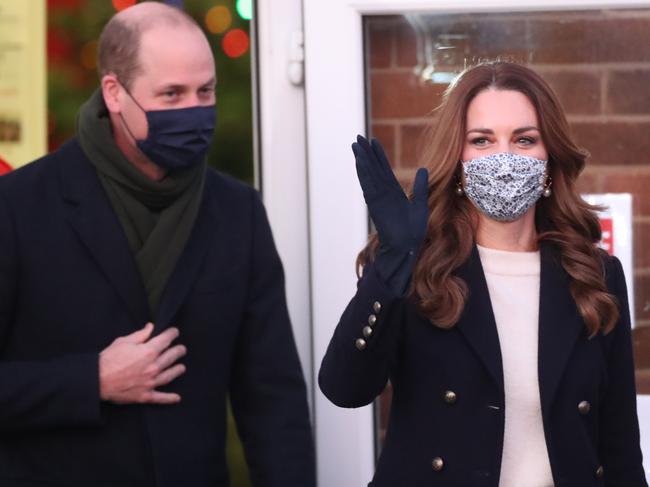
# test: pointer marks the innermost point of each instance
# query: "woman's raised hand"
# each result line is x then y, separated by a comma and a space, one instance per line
401, 224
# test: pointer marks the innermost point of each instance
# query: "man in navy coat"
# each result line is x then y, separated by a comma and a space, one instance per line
139, 290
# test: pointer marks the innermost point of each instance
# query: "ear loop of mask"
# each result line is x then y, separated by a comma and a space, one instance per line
126, 125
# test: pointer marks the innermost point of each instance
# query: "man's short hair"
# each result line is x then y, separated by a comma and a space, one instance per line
119, 43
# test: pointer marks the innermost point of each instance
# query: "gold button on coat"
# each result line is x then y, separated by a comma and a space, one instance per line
360, 344
372, 319
584, 407
600, 471
367, 331
450, 397
376, 306
437, 464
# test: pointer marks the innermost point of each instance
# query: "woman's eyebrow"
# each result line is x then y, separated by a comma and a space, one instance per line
481, 131
520, 130
524, 129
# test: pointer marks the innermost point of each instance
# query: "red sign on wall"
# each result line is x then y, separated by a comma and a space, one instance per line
607, 228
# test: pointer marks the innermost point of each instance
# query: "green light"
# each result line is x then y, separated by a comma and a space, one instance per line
245, 9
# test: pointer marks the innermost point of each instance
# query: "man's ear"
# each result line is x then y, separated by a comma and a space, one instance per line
111, 92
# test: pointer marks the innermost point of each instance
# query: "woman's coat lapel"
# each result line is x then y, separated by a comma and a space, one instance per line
560, 324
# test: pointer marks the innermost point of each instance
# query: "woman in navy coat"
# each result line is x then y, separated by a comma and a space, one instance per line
504, 330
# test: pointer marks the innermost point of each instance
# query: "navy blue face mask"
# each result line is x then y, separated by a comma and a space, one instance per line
178, 138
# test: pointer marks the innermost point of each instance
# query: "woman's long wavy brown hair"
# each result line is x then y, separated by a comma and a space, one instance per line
564, 220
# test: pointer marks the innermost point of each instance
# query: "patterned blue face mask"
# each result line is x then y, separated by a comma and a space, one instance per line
505, 185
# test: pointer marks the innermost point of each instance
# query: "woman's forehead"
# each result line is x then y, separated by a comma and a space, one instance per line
493, 108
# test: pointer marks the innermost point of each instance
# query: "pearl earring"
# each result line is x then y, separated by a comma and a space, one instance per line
547, 187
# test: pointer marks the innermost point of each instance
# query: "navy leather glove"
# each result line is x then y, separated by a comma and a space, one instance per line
401, 224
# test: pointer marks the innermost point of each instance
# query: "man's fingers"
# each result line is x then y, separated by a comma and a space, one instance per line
140, 336
169, 375
161, 342
157, 397
170, 356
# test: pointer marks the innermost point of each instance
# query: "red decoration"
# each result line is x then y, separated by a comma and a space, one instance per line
122, 4
4, 167
235, 43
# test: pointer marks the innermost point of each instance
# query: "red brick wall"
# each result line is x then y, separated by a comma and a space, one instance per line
598, 63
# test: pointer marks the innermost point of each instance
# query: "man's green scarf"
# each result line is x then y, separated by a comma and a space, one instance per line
157, 216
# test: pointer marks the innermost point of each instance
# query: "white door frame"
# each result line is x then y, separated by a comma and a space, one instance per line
335, 96
280, 148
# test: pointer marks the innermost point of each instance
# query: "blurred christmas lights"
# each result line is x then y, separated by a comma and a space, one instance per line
218, 19
245, 9
89, 55
235, 43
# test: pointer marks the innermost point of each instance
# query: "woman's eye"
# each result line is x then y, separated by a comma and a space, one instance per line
169, 94
479, 141
526, 140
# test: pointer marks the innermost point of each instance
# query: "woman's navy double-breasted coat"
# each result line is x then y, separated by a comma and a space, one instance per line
448, 410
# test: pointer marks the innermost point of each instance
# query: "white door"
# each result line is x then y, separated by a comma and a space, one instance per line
379, 65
